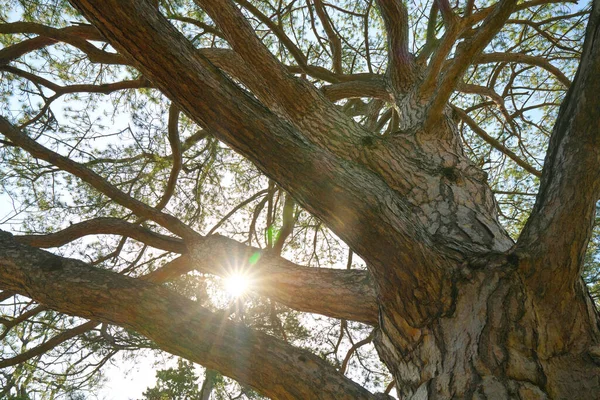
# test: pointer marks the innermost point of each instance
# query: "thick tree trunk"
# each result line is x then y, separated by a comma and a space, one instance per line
463, 312
520, 323
496, 343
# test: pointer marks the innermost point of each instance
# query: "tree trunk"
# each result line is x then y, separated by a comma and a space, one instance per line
520, 323
464, 312
496, 342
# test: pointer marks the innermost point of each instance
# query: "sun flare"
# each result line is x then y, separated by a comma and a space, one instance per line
237, 284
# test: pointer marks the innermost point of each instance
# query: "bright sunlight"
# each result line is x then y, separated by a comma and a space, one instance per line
237, 284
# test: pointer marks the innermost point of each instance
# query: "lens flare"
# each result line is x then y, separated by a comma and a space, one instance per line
237, 284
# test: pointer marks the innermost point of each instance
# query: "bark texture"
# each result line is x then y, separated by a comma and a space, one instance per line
462, 311
175, 323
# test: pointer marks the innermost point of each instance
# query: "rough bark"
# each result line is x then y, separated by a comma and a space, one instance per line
461, 315
522, 324
177, 324
347, 294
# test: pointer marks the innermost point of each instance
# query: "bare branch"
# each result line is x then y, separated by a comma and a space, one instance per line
335, 43
104, 88
277, 31
176, 153
95, 180
65, 35
49, 344
495, 143
301, 288
355, 347
104, 226
524, 59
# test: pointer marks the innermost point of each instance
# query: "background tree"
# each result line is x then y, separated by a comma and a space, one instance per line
389, 166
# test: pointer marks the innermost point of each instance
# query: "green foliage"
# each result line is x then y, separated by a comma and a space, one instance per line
175, 383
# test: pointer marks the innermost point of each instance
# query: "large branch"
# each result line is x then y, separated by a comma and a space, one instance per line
401, 66
322, 173
347, 294
344, 294
554, 240
175, 323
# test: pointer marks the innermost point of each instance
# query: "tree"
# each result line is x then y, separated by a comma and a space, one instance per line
175, 383
395, 139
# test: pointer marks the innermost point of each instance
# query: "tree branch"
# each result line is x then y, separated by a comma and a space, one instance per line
375, 88
347, 294
176, 152
279, 89
495, 143
314, 167
66, 35
95, 180
49, 344
176, 324
401, 66
553, 241
277, 31
524, 59
465, 53
331, 292
104, 226
335, 43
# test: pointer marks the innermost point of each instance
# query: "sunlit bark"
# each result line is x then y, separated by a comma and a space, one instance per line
461, 310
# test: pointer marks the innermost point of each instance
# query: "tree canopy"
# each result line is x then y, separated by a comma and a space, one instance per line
355, 163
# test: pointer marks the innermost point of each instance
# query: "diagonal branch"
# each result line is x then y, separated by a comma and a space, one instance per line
495, 143
452, 72
178, 325
553, 242
279, 88
277, 31
95, 180
318, 177
49, 344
